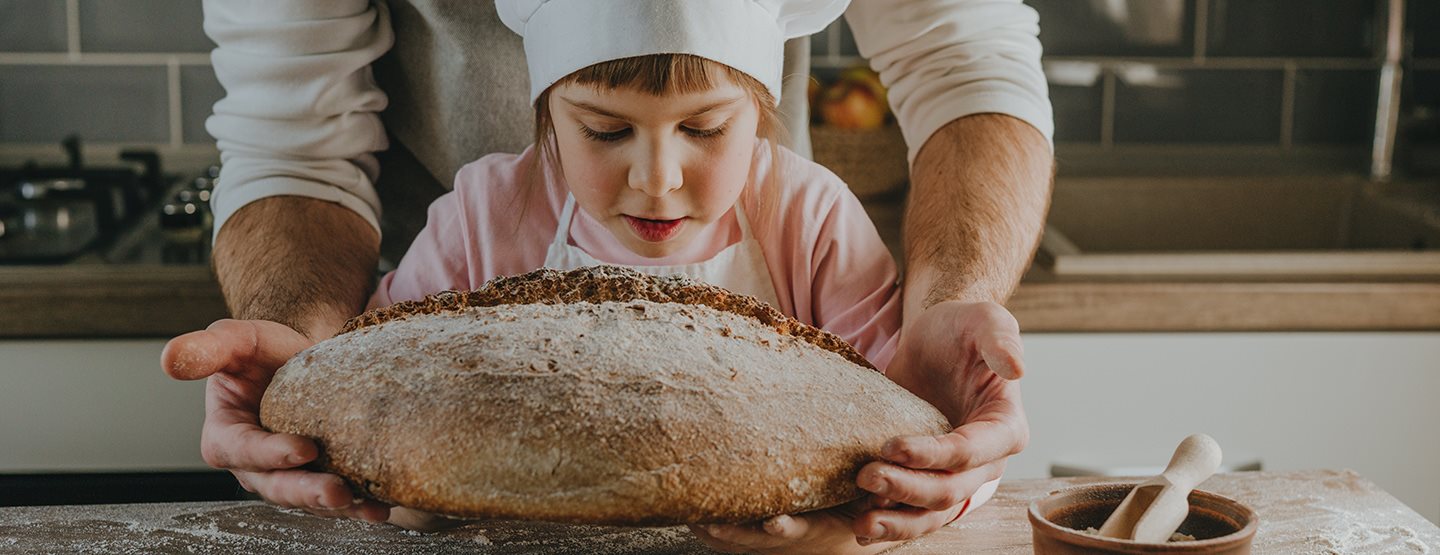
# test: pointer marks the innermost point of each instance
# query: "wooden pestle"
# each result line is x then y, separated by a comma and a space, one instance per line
1156, 507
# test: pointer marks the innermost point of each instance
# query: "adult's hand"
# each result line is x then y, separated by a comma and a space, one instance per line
823, 532
963, 358
239, 357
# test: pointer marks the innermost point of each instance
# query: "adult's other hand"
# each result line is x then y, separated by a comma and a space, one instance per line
964, 358
238, 358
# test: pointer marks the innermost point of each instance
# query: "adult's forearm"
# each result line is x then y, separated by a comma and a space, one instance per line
303, 262
979, 192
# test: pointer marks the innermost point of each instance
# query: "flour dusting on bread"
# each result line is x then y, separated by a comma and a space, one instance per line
608, 409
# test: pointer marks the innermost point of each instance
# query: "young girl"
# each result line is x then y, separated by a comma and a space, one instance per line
666, 163
658, 151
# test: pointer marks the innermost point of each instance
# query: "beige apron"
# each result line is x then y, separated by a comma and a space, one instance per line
740, 267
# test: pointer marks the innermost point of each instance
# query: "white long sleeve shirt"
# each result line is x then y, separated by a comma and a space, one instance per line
301, 111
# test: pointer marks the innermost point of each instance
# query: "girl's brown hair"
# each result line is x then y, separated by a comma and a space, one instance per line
663, 74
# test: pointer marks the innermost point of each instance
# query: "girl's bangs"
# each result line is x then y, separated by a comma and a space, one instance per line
657, 74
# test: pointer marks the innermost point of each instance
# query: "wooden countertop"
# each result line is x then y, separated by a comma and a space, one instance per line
1316, 511
95, 301
102, 301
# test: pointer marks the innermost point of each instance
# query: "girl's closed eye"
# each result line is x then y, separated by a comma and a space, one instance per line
705, 132
693, 131
604, 136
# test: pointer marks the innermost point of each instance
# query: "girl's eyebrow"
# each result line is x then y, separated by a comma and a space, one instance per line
601, 111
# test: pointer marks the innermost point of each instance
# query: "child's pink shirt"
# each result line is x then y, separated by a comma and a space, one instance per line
828, 265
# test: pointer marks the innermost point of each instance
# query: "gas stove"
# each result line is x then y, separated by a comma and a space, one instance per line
130, 212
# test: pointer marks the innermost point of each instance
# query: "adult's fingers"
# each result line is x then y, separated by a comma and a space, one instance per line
995, 335
972, 445
750, 536
901, 523
928, 489
705, 535
232, 443
231, 346
786, 527
421, 521
324, 494
778, 530
232, 437
1003, 353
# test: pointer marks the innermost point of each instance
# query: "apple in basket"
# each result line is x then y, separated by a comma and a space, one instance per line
854, 101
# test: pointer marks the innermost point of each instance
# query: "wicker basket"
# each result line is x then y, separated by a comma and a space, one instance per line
871, 161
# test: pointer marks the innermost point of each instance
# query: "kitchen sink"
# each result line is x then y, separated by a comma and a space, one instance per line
1280, 227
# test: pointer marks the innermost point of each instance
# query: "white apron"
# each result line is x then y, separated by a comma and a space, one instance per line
740, 267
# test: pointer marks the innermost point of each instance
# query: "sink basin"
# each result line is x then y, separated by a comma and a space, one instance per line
1261, 226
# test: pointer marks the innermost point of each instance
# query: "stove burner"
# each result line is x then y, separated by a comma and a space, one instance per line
51, 214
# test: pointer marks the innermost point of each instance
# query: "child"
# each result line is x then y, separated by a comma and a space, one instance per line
666, 163
658, 151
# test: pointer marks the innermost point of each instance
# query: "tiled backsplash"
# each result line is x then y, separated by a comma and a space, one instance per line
1278, 73
113, 71
1271, 76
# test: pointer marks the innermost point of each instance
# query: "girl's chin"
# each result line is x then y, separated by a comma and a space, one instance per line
652, 250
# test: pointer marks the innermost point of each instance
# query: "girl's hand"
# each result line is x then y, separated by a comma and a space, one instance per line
822, 532
964, 358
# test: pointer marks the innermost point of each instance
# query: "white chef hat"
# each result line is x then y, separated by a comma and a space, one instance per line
565, 36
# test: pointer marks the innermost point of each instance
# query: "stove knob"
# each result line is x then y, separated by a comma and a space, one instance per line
181, 222
201, 201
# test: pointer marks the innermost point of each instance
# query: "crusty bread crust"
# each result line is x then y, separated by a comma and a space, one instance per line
599, 284
623, 413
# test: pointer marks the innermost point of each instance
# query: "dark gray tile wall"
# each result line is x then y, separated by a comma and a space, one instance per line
1226, 86
123, 99
1421, 121
1144, 28
1198, 106
142, 26
832, 50
1420, 115
1423, 18
847, 39
1191, 97
1077, 112
1335, 107
1294, 28
32, 26
107, 104
199, 90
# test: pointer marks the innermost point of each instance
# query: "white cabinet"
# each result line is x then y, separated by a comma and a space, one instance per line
95, 406
1364, 401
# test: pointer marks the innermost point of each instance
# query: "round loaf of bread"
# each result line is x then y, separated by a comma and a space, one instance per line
640, 404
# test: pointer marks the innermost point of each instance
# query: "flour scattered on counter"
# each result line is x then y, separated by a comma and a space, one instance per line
1386, 539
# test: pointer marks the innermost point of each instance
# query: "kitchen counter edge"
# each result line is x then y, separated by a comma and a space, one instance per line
165, 301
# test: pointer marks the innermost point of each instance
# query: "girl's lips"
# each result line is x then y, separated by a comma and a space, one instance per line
654, 231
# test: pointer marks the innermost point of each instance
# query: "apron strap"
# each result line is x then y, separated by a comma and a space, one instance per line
562, 230
744, 222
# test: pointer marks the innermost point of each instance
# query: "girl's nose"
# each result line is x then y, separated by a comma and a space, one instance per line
658, 171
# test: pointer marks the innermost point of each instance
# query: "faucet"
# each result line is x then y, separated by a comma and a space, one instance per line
1387, 105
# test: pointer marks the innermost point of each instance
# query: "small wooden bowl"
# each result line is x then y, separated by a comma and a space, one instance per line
1219, 524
